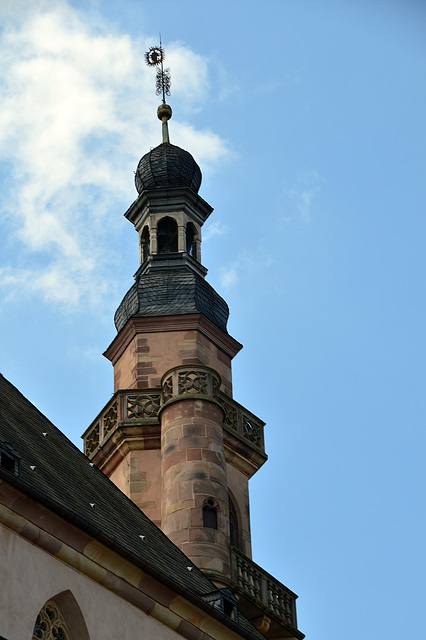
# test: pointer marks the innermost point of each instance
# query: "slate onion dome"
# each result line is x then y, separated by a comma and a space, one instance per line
167, 165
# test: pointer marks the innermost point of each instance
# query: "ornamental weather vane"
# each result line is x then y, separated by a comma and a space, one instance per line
154, 58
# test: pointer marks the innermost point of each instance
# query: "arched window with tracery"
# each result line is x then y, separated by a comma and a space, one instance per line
50, 624
60, 619
167, 236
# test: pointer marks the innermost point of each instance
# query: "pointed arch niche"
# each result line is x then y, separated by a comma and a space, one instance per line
60, 619
234, 524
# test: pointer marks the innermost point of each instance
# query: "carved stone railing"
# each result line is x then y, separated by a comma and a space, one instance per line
125, 407
195, 380
262, 589
240, 421
133, 406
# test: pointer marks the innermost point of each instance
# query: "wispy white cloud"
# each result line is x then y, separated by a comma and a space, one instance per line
300, 195
80, 353
206, 147
229, 275
247, 262
190, 87
212, 229
77, 111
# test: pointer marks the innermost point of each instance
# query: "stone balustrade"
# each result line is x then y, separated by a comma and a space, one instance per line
258, 586
240, 421
125, 407
142, 406
196, 380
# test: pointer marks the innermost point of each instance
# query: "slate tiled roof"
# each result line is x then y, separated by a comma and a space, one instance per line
66, 482
172, 292
167, 166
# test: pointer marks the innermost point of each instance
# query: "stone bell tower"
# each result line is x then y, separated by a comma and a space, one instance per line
162, 438
172, 437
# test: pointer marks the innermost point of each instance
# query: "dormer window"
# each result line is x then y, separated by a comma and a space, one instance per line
9, 461
167, 236
225, 601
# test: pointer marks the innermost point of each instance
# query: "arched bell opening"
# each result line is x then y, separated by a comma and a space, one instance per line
191, 243
145, 244
167, 236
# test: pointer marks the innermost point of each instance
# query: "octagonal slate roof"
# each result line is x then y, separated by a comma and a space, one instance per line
172, 292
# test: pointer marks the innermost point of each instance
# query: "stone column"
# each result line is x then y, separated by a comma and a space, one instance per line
153, 236
193, 467
198, 249
181, 238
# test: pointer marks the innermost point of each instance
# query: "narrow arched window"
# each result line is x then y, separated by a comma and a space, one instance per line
145, 246
167, 236
234, 534
191, 246
210, 514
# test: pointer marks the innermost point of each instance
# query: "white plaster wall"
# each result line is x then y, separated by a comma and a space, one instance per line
30, 576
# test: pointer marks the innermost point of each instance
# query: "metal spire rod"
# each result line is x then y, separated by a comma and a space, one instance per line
154, 58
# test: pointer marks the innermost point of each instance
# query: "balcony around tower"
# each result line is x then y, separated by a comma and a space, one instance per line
136, 412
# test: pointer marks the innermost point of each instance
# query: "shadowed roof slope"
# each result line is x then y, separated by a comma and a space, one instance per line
169, 292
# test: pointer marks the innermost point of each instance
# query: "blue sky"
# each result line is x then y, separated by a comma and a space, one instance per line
307, 119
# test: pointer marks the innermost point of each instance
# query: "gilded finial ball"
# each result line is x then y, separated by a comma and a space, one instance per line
164, 112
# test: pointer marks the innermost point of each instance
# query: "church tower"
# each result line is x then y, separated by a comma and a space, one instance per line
172, 437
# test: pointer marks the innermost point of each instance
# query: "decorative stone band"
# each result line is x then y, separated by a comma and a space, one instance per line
194, 381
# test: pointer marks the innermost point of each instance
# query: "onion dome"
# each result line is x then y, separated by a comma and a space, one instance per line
167, 166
